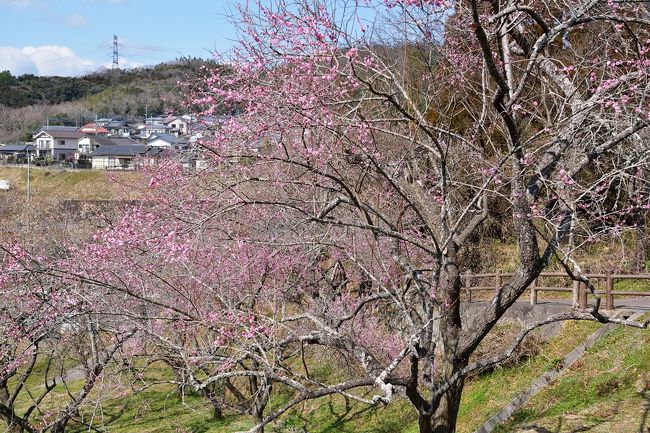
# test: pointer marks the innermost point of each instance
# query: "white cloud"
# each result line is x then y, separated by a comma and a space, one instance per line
13, 59
44, 60
129, 64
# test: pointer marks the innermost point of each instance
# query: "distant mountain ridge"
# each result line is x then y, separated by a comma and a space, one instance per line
29, 89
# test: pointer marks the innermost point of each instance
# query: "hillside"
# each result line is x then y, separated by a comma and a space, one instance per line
29, 89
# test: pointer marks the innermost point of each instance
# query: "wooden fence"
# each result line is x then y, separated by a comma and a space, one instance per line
578, 290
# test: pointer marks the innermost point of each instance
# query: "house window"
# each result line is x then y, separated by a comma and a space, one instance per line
61, 142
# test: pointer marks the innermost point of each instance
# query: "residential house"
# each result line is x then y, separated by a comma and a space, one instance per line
179, 125
57, 144
90, 143
167, 141
145, 130
16, 152
121, 157
119, 128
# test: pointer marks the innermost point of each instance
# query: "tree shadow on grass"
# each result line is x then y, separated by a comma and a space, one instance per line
643, 425
347, 418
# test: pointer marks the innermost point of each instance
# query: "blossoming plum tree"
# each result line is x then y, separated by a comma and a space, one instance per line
367, 144
379, 135
55, 347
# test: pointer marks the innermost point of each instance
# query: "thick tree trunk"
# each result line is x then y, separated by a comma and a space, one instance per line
214, 394
444, 418
261, 390
258, 417
446, 411
12, 427
424, 424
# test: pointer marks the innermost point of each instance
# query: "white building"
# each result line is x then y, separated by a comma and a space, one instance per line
179, 125
56, 144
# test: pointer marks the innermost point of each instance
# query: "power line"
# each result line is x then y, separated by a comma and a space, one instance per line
155, 48
99, 52
60, 64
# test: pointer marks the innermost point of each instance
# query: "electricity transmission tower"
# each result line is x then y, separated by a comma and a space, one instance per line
116, 60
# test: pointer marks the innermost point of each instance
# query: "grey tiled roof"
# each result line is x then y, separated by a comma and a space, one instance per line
14, 148
121, 150
62, 134
165, 137
127, 150
113, 141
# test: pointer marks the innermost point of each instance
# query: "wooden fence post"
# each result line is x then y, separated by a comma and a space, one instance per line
609, 288
533, 292
583, 295
576, 294
497, 281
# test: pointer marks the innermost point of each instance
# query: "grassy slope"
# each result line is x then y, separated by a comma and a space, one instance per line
600, 393
67, 185
598, 390
597, 394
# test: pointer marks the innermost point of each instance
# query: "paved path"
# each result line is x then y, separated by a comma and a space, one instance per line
639, 304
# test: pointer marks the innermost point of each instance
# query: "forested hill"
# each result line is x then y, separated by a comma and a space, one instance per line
29, 89
27, 102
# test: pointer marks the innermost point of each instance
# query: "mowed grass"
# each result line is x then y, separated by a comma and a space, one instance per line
608, 390
487, 394
604, 379
66, 184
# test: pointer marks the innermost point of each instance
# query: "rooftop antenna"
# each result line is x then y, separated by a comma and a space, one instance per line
116, 58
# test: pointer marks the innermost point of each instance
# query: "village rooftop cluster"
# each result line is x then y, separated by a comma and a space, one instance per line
110, 143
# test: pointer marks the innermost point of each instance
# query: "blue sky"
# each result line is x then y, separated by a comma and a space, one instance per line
72, 37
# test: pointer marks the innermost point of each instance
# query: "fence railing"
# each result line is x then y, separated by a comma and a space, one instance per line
578, 289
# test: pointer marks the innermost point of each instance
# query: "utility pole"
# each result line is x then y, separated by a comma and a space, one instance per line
116, 58
29, 174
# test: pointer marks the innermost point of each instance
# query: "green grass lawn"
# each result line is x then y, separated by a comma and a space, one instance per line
600, 393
